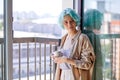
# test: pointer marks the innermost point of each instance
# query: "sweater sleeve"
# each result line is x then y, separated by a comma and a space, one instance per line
87, 56
58, 72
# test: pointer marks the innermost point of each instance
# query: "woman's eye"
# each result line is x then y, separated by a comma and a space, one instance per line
65, 22
72, 21
69, 22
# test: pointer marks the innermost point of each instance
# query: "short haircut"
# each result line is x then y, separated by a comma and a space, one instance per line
71, 13
93, 19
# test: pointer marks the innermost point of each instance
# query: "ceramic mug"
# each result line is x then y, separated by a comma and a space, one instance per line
57, 53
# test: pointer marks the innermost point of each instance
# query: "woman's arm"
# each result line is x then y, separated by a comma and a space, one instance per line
84, 63
87, 56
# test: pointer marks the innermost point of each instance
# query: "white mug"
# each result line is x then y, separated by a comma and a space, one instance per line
57, 53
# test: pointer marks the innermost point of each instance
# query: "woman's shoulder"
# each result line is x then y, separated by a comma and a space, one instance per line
80, 35
64, 36
83, 35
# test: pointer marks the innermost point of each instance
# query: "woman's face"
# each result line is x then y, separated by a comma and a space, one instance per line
68, 23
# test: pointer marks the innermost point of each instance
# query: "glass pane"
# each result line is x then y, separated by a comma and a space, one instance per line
36, 18
1, 38
102, 25
1, 18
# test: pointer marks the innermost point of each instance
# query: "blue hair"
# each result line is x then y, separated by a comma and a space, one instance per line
71, 13
93, 19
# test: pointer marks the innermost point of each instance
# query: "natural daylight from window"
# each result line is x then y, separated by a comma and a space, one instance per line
36, 18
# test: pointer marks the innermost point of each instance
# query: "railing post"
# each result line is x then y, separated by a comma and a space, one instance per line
8, 37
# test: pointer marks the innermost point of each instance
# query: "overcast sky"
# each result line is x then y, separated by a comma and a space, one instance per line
38, 6
55, 5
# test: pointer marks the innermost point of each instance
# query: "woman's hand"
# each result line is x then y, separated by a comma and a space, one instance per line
63, 59
59, 60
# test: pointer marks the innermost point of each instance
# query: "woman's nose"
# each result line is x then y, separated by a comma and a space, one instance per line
69, 23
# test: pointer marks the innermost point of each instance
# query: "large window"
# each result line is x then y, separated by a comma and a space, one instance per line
36, 18
105, 36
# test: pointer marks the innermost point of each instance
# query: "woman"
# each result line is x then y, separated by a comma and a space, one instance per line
77, 60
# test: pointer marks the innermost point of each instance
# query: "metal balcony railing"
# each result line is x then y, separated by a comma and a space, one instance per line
31, 57
110, 48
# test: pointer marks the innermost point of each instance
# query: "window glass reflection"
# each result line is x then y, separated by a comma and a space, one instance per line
106, 39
